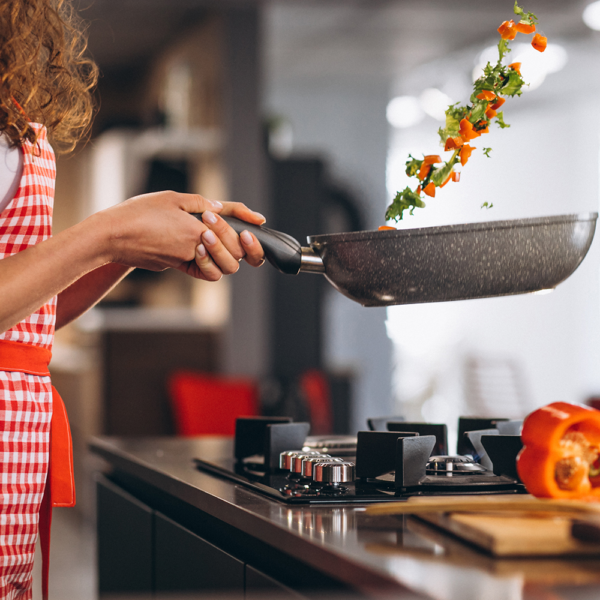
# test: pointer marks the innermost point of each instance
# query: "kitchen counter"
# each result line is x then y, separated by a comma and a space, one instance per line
340, 544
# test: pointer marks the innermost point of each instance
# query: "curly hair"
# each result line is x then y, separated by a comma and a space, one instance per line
44, 75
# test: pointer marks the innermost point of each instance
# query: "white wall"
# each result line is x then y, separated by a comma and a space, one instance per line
547, 163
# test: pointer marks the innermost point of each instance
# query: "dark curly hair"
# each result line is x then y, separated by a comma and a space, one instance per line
44, 75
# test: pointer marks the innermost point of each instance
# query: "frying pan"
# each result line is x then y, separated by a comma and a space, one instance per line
437, 264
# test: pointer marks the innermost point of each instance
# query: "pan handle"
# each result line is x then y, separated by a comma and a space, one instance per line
283, 251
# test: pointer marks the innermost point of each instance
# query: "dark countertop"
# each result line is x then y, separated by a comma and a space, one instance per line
401, 553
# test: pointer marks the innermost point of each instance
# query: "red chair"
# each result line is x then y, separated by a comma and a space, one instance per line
316, 390
209, 404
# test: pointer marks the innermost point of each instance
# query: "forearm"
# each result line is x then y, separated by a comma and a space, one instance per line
30, 278
87, 291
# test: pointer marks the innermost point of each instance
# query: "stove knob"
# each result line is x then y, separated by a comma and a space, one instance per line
296, 466
333, 473
308, 464
285, 458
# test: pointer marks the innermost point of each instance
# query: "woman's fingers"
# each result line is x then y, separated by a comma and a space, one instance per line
219, 253
241, 211
204, 267
228, 237
255, 255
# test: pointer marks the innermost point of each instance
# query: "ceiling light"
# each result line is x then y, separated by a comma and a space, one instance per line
404, 111
434, 102
591, 16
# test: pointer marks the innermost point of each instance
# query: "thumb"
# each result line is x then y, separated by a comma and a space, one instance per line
194, 203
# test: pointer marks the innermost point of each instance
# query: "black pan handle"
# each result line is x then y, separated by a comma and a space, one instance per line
281, 250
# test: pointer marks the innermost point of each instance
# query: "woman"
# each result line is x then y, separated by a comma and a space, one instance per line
46, 282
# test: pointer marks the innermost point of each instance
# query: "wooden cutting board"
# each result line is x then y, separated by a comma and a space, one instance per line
513, 535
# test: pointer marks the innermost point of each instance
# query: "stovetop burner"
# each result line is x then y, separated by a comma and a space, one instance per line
275, 457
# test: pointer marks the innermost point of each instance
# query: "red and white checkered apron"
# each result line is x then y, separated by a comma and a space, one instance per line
25, 399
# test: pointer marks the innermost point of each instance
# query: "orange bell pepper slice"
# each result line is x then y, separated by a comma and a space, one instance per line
508, 30
539, 42
447, 180
490, 113
431, 159
386, 228
515, 66
467, 133
452, 143
424, 171
559, 459
499, 102
465, 153
456, 176
525, 27
486, 95
429, 189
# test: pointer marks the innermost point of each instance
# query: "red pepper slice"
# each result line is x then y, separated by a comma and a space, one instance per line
424, 171
524, 27
431, 159
452, 143
430, 189
539, 42
508, 30
561, 443
465, 153
486, 95
516, 66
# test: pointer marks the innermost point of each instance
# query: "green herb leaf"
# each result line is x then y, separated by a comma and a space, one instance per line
513, 84
404, 200
487, 205
500, 120
528, 18
413, 166
487, 151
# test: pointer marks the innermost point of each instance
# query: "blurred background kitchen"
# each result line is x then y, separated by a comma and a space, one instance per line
306, 111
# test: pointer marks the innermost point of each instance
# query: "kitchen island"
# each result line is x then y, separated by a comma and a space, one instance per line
164, 527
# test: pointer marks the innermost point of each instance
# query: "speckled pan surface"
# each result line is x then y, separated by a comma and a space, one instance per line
455, 262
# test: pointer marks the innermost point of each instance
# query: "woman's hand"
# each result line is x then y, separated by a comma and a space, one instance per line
156, 231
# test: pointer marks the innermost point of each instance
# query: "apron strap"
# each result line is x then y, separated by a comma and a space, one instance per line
60, 482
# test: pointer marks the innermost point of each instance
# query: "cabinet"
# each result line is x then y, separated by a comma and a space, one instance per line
143, 552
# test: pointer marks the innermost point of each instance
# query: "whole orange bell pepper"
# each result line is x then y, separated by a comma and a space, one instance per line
559, 459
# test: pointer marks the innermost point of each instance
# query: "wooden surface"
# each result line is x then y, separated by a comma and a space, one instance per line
509, 535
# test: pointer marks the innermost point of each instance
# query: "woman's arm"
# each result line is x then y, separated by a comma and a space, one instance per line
153, 231
88, 291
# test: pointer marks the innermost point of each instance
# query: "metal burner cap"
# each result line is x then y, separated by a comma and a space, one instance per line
285, 458
296, 460
454, 464
333, 473
309, 462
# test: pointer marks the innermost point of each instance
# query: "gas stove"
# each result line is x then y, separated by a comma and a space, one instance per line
393, 460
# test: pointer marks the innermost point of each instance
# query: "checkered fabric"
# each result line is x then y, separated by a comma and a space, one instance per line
25, 400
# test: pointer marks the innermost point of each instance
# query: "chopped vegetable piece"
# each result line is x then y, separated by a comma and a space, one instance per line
516, 66
453, 142
499, 102
508, 30
490, 113
386, 228
487, 151
522, 27
456, 176
467, 133
465, 153
539, 42
419, 190
431, 159
561, 447
424, 171
429, 189
486, 95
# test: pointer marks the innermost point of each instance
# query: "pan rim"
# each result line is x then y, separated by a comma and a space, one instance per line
355, 236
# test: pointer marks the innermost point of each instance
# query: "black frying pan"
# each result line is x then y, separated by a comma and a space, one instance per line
436, 264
